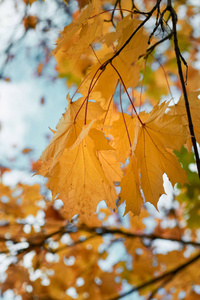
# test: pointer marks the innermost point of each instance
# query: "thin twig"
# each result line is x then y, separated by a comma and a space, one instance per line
179, 58
120, 97
42, 240
126, 234
109, 61
150, 49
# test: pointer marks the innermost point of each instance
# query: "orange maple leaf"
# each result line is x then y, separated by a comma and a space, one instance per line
153, 146
70, 126
84, 173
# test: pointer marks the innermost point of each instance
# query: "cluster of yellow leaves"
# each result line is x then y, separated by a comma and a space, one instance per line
94, 139
19, 202
82, 149
57, 253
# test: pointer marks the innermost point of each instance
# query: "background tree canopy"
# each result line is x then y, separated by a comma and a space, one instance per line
118, 213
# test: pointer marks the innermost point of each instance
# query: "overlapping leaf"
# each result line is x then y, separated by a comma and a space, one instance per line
123, 131
84, 173
70, 126
74, 27
156, 139
77, 163
130, 188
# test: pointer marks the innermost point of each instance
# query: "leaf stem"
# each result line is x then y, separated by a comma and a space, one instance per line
127, 93
111, 99
124, 117
92, 85
87, 97
141, 88
164, 75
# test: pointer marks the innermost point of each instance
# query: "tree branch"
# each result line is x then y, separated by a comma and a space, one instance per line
41, 240
104, 231
180, 71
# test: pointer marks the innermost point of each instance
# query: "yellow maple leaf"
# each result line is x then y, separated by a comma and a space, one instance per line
70, 126
74, 27
157, 138
83, 175
90, 32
